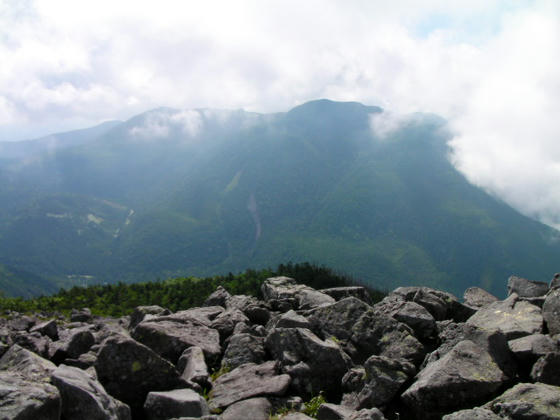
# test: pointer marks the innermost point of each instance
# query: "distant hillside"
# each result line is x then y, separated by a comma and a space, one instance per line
173, 193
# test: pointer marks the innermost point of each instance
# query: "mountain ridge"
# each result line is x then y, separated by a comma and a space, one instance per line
203, 192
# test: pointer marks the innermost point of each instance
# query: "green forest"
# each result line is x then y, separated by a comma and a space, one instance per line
176, 294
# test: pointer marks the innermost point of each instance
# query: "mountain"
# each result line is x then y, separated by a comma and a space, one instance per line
201, 192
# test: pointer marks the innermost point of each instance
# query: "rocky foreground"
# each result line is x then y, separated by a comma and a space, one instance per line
419, 353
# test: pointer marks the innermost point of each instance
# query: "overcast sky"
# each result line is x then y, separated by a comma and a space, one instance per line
492, 68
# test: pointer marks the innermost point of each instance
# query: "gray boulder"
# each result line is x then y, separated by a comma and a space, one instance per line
253, 408
363, 332
279, 288
410, 313
81, 315
529, 348
528, 401
193, 367
472, 414
367, 414
176, 403
292, 319
555, 282
383, 379
169, 338
129, 370
329, 411
476, 297
244, 348
47, 328
84, 397
27, 399
314, 365
34, 342
141, 312
551, 311
218, 298
441, 305
21, 361
526, 288
72, 344
339, 293
515, 318
204, 315
466, 375
248, 381
225, 322
547, 369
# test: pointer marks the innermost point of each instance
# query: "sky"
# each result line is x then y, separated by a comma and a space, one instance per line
490, 67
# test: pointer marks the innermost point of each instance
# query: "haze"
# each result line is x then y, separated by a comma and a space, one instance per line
489, 67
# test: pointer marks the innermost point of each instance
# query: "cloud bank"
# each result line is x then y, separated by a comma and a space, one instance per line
490, 67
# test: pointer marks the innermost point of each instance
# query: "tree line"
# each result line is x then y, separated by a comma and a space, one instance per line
177, 294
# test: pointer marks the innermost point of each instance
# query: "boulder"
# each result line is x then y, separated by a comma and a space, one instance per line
203, 315
72, 344
244, 348
555, 282
363, 332
225, 322
21, 361
21, 323
528, 401
296, 416
515, 318
141, 312
218, 298
551, 311
22, 398
441, 305
547, 369
410, 313
526, 288
466, 375
314, 365
248, 381
81, 315
280, 288
339, 293
253, 408
367, 414
84, 397
34, 342
477, 298
129, 370
240, 302
169, 338
257, 314
292, 319
47, 328
164, 405
383, 379
472, 414
329, 411
529, 348
193, 367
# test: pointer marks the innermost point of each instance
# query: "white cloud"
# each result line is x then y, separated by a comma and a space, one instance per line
490, 67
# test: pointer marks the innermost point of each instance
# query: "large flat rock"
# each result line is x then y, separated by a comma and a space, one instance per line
515, 318
248, 381
466, 375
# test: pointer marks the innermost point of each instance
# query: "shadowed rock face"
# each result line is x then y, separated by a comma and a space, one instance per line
369, 362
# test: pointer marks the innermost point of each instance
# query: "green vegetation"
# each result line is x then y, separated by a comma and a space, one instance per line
313, 184
216, 373
175, 294
312, 406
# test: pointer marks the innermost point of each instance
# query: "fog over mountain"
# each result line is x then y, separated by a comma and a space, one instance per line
199, 192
